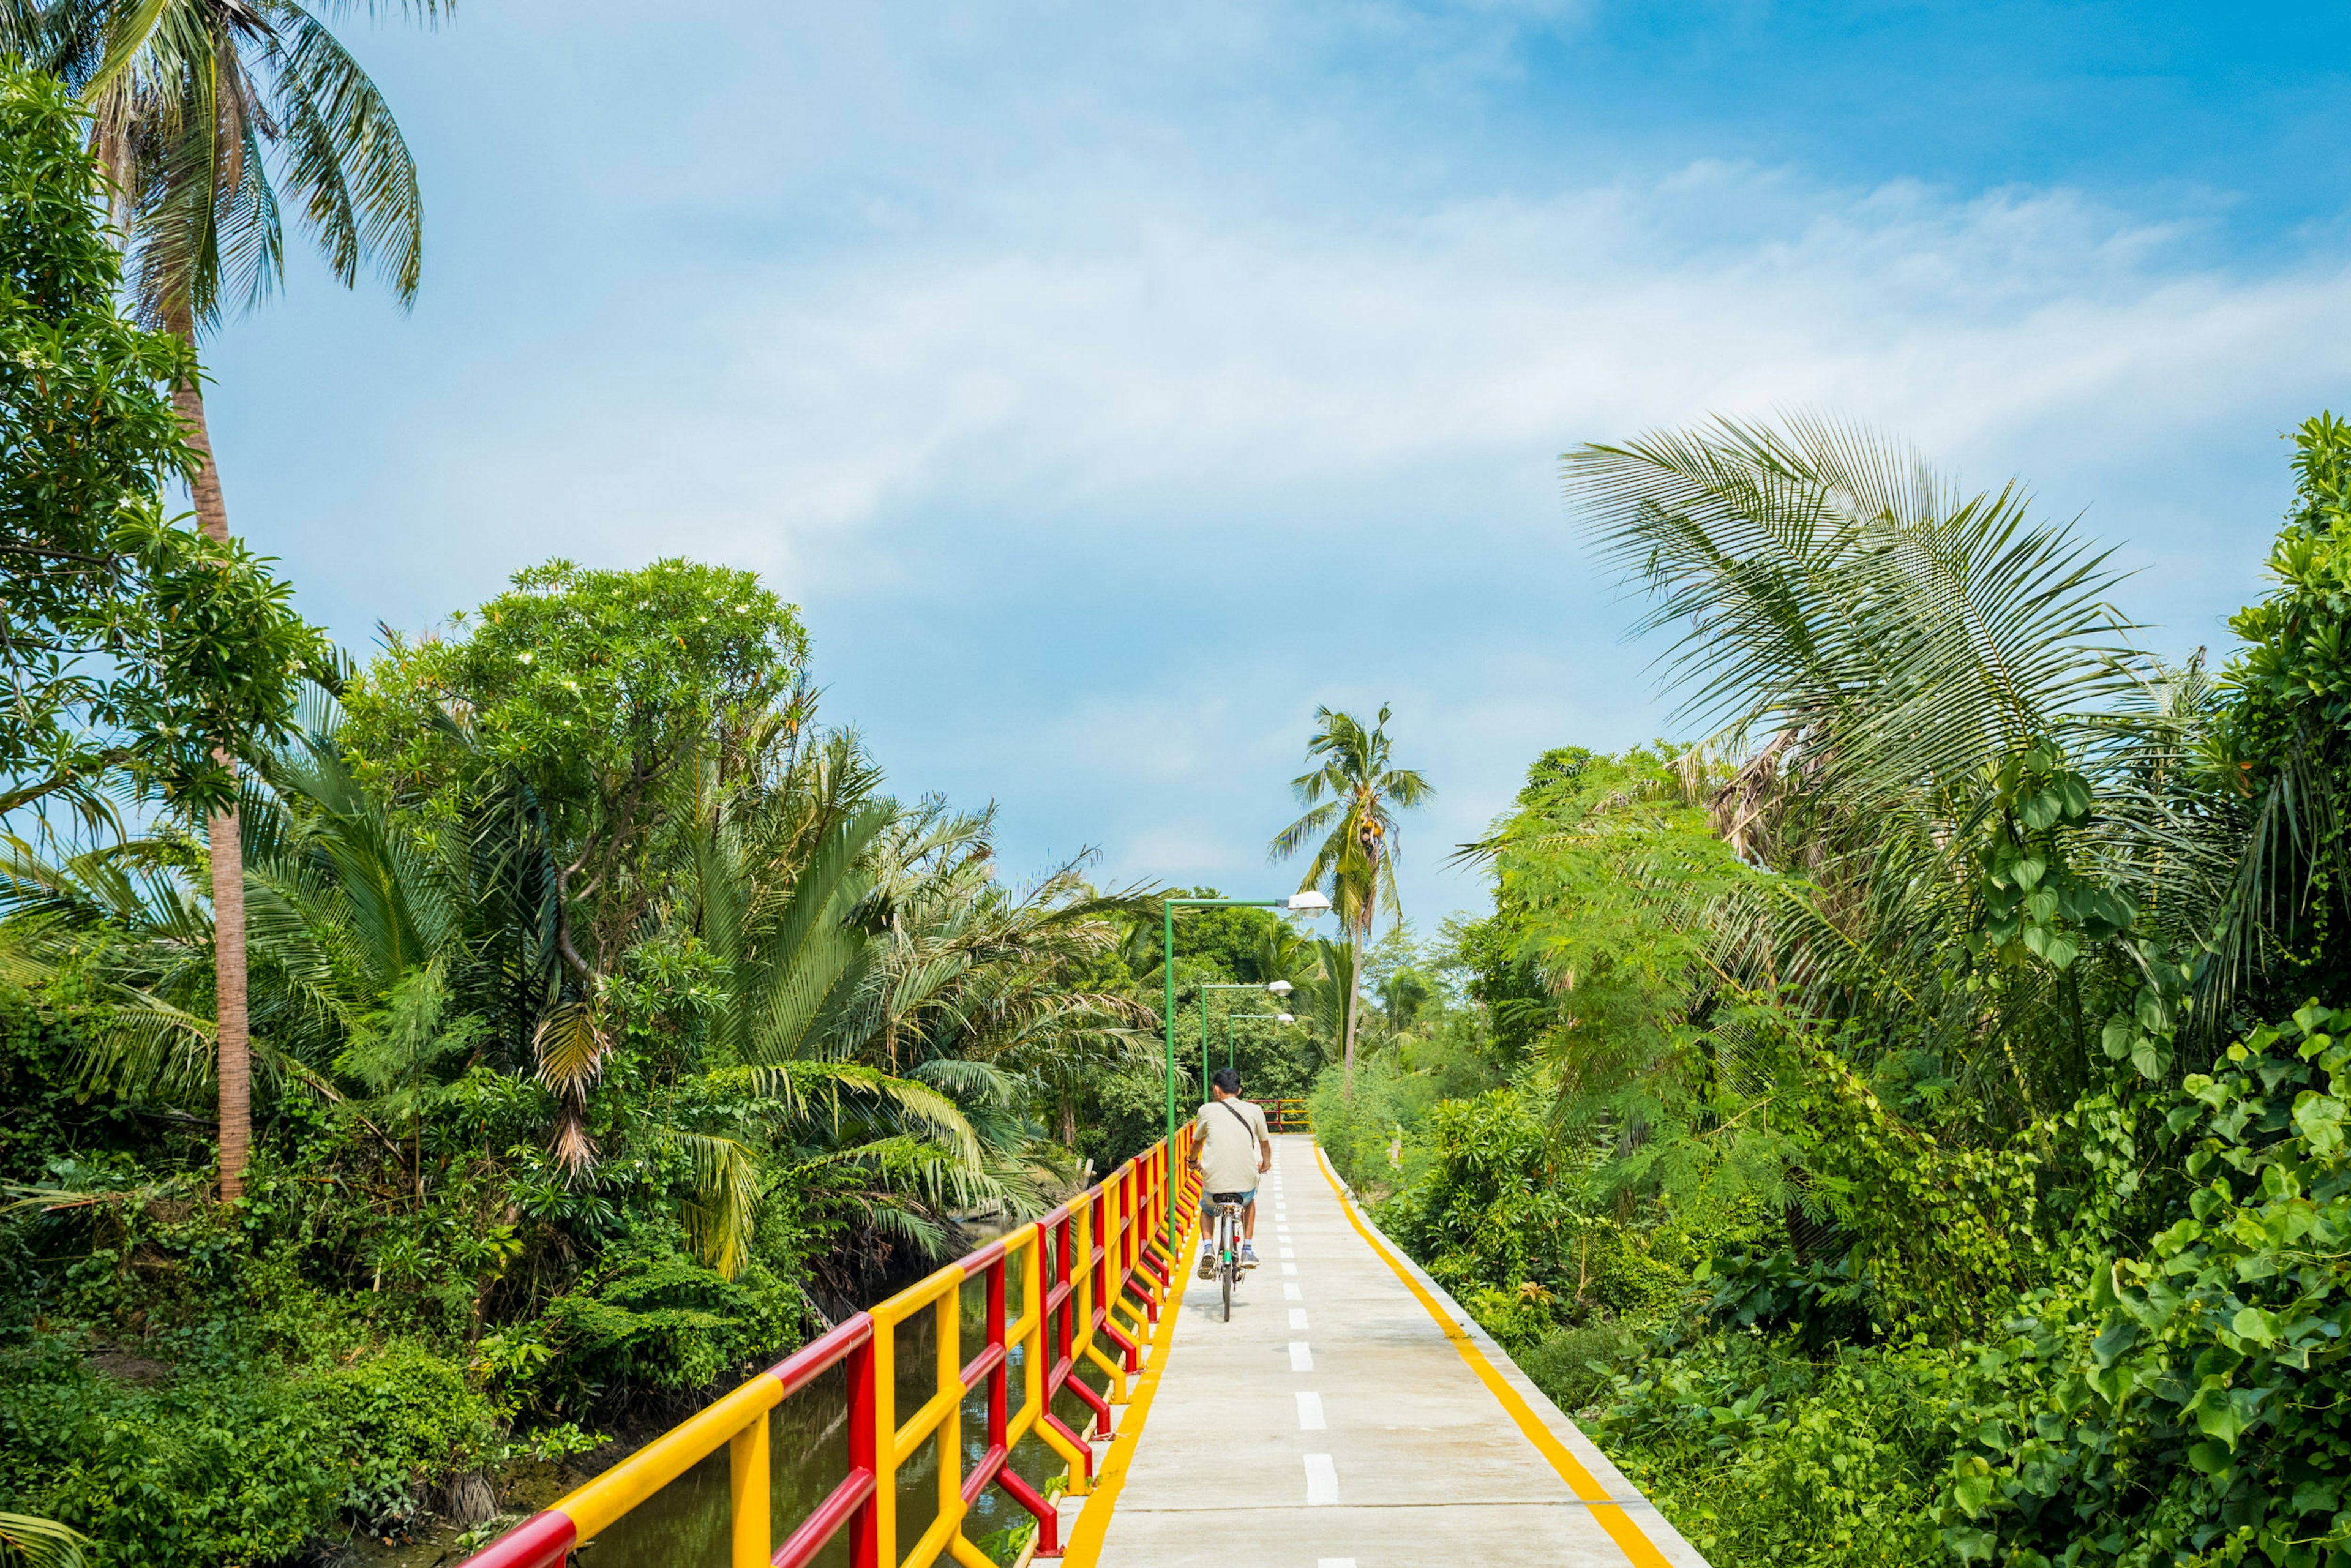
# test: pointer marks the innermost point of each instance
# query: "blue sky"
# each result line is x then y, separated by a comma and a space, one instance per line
1110, 385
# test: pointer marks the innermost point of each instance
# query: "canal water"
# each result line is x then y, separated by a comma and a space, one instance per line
687, 1524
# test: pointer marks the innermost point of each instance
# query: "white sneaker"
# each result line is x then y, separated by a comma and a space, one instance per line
1208, 1263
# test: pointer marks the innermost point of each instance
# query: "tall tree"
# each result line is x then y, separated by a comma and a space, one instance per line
1351, 794
195, 106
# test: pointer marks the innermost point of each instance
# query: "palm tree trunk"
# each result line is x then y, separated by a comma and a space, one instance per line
1355, 975
224, 832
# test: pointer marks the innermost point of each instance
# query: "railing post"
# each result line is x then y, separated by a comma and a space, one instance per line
884, 1405
865, 1449
949, 1437
747, 1484
1000, 1377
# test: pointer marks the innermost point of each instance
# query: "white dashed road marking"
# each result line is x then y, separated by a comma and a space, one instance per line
1322, 1482
1292, 1294
1300, 1358
1310, 1411
1298, 1317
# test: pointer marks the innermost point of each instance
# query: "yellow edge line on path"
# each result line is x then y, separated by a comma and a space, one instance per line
1611, 1516
1086, 1543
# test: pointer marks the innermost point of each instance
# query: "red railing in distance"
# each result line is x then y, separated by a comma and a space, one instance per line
1106, 1252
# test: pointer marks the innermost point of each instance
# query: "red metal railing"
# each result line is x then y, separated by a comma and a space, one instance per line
1095, 1269
1285, 1115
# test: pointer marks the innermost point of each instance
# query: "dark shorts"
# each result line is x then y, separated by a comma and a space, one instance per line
1211, 1201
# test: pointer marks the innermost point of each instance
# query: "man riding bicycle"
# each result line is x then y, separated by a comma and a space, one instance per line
1230, 1149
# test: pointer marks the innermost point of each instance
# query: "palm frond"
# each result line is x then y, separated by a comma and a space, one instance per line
39, 1542
724, 1212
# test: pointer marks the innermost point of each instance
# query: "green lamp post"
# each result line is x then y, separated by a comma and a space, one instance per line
1309, 903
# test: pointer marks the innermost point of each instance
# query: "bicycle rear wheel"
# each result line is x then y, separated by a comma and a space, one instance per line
1228, 1263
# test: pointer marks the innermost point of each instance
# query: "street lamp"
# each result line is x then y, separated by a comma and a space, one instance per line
1309, 903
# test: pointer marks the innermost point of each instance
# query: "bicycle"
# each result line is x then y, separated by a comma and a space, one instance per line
1228, 1252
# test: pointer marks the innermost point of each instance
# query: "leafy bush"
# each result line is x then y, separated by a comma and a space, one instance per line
2195, 1401
1521, 1229
1760, 1454
1824, 1303
399, 1419
228, 1464
1575, 1366
1374, 1133
654, 1317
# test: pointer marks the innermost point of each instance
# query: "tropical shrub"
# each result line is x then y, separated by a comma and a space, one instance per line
1519, 1226
1761, 1454
651, 1316
2193, 1400
226, 1459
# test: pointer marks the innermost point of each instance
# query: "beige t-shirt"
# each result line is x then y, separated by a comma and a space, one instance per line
1230, 1132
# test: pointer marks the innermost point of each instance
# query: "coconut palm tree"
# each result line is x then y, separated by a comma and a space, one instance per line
1352, 795
201, 111
1877, 653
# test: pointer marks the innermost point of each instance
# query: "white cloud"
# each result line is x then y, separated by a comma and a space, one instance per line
1217, 364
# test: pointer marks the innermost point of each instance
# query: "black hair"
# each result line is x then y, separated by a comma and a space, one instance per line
1227, 1079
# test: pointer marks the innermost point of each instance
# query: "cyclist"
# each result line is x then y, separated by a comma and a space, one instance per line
1230, 1149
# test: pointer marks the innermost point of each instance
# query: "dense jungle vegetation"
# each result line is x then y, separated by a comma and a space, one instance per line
1909, 1125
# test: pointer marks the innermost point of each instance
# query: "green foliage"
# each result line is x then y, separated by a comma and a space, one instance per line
1518, 1225
2277, 749
599, 691
197, 110
40, 1543
2191, 1400
2295, 666
399, 1416
1822, 1303
653, 1317
1949, 1236
1352, 792
1916, 970
1611, 889
221, 1460
2037, 907
1505, 984
1375, 1134
1576, 1365
589, 682
1761, 1455
124, 640
1224, 942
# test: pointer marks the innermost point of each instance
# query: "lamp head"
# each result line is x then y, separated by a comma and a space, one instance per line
1309, 903
1283, 1017
1279, 988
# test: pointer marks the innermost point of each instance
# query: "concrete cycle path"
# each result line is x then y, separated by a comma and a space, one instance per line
1351, 1416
